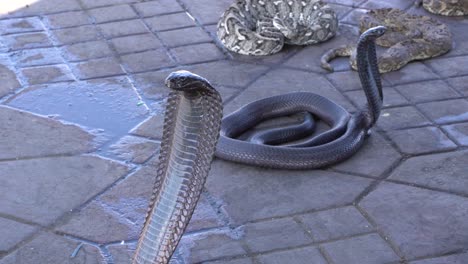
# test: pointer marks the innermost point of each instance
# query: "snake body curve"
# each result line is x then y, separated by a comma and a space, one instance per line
347, 131
191, 130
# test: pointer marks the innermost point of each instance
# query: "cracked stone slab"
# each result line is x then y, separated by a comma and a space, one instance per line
41, 190
420, 222
459, 132
452, 259
23, 134
122, 254
135, 149
447, 171
13, 232
50, 248
294, 256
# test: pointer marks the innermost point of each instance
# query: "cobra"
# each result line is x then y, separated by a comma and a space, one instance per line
343, 139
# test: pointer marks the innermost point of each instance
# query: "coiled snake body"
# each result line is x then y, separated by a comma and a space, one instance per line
345, 137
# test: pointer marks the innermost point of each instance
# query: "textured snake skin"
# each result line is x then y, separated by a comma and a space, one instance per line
345, 137
191, 129
262, 27
445, 7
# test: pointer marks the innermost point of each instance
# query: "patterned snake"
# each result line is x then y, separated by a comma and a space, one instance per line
191, 129
347, 131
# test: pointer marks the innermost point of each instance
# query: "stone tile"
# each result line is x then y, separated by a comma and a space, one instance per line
400, 4
459, 132
25, 135
294, 256
36, 57
345, 80
98, 3
420, 222
457, 27
172, 21
122, 254
112, 13
367, 249
123, 28
86, 103
452, 259
274, 234
354, 16
421, 140
50, 248
135, 149
449, 67
401, 117
446, 111
184, 36
87, 51
47, 74
160, 7
442, 171
275, 59
209, 246
426, 91
251, 193
68, 19
411, 73
20, 25
9, 80
98, 68
26, 41
197, 53
207, 15
136, 43
150, 128
232, 261
336, 223
76, 34
341, 10
44, 189
145, 61
376, 157
460, 83
44, 7
352, 3
391, 98
13, 233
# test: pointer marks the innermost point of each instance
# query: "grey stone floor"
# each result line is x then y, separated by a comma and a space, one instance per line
82, 98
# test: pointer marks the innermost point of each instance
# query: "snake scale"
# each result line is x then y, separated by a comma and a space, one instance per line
191, 129
445, 7
262, 27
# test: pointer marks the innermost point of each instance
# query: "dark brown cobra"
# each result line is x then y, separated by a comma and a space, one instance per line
191, 129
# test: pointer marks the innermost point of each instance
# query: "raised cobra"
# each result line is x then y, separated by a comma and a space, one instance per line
191, 130
347, 133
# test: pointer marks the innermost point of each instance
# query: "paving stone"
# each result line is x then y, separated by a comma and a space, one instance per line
452, 259
172, 21
459, 132
251, 193
340, 10
44, 7
112, 13
294, 256
459, 83
184, 36
148, 60
352, 3
50, 248
391, 98
345, 80
47, 74
207, 15
44, 189
76, 34
98, 68
336, 223
420, 222
36, 57
20, 25
68, 19
400, 4
401, 117
376, 157
122, 254
426, 91
421, 140
135, 149
150, 128
123, 28
232, 261
87, 50
367, 249
354, 16
457, 27
24, 135
197, 53
275, 59
209, 246
151, 8
86, 103
13, 233
442, 171
136, 43
98, 3
274, 234
448, 67
9, 81
446, 111
27, 41
414, 72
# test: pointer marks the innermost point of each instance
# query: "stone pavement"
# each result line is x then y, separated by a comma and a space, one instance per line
82, 98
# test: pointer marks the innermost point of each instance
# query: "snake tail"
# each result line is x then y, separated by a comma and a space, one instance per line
341, 51
190, 134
